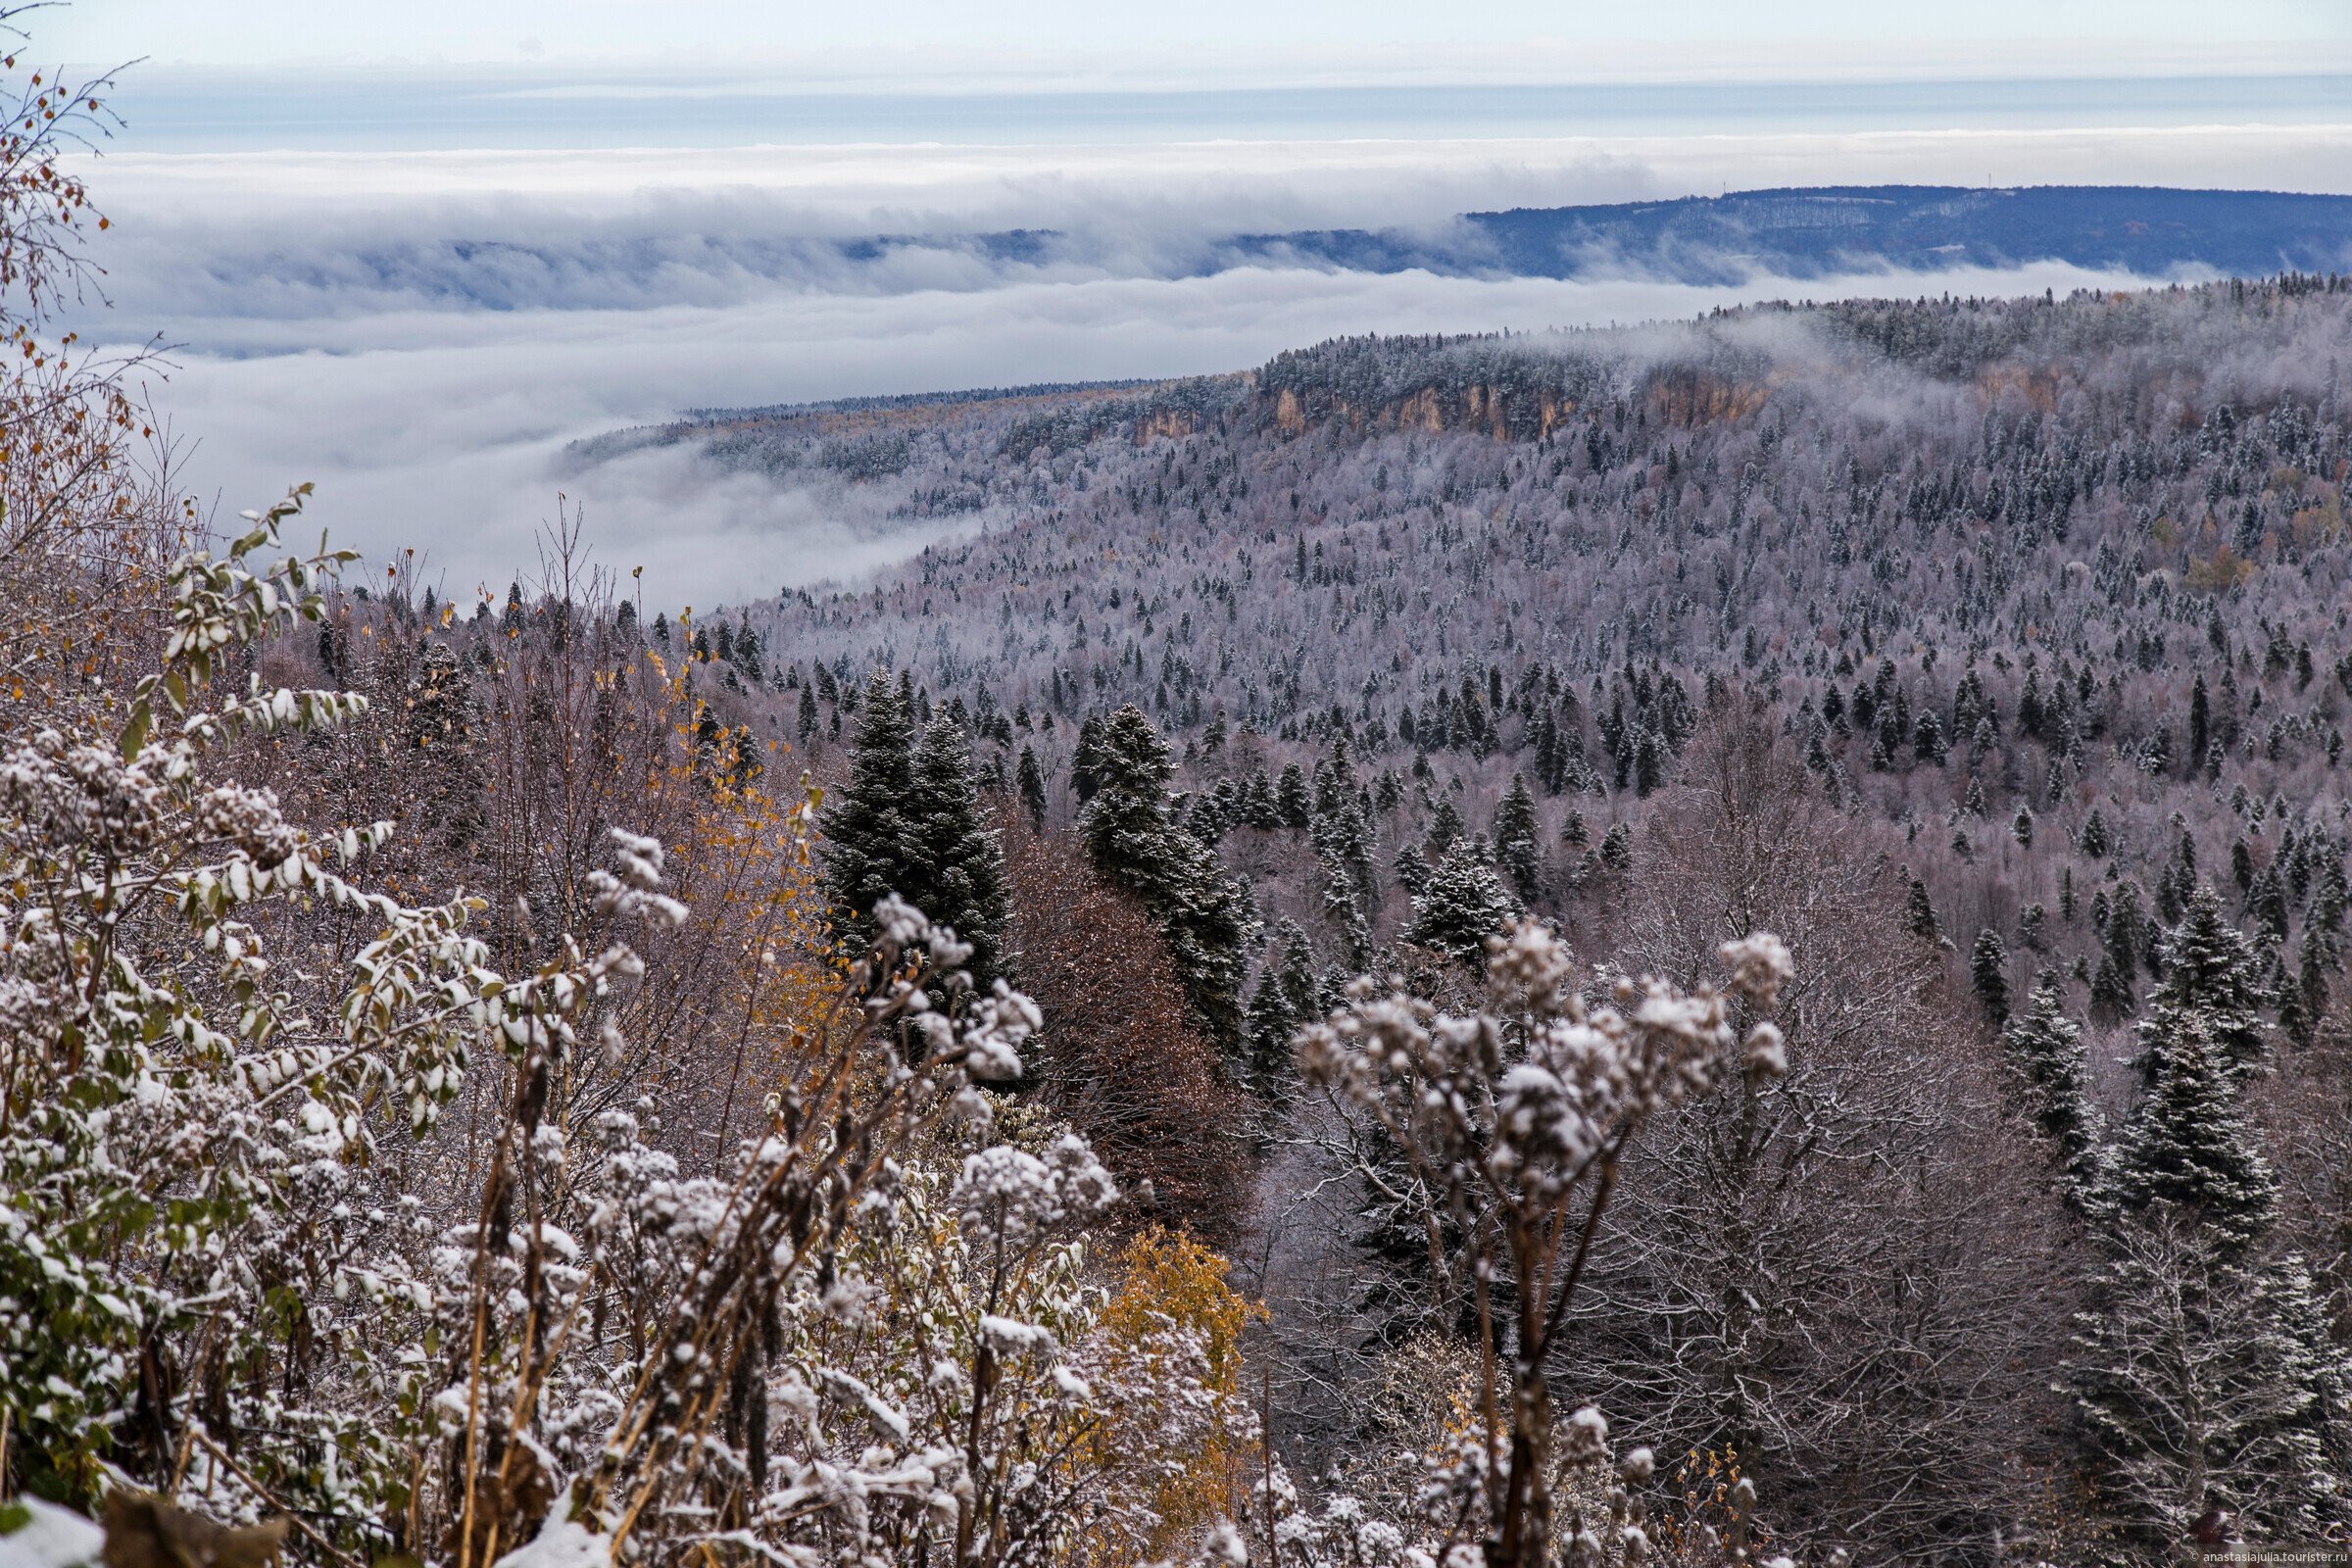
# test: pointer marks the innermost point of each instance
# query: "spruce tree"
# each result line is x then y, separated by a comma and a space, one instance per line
2046, 1048
1291, 797
1919, 912
2200, 1384
1202, 916
1465, 904
2212, 969
1031, 779
1445, 826
2189, 1144
1518, 839
1411, 867
1989, 975
863, 822
1284, 1002
956, 865
2110, 989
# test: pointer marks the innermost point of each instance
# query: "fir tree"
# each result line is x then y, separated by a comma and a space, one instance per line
2189, 1144
2212, 969
956, 865
2096, 840
1204, 917
863, 822
1465, 904
2045, 1046
1919, 912
1032, 781
2202, 1383
1411, 867
1445, 825
2111, 996
1989, 975
1291, 797
1518, 840
1284, 1002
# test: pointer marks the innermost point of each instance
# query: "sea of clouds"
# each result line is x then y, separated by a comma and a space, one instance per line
423, 333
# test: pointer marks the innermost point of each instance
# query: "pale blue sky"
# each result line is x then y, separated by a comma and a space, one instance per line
1595, 36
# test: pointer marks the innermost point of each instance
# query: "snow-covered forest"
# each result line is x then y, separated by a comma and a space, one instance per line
1711, 943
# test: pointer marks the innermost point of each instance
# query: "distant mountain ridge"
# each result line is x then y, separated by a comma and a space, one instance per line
2156, 234
2149, 231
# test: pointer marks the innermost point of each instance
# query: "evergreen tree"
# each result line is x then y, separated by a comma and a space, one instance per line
2045, 1046
2212, 969
1919, 912
1650, 762
2110, 989
1204, 917
1518, 840
1291, 797
2097, 841
1032, 781
1411, 867
1989, 975
1445, 826
1084, 757
955, 862
2202, 1383
863, 822
806, 726
2189, 1144
1465, 904
1284, 1003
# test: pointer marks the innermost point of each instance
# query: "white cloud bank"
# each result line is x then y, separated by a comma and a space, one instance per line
316, 348
446, 434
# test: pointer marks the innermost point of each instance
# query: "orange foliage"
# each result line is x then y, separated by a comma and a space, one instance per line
1170, 1278
1115, 1059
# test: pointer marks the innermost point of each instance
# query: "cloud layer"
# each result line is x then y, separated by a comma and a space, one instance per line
422, 334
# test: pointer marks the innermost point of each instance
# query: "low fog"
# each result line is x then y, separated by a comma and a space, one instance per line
426, 356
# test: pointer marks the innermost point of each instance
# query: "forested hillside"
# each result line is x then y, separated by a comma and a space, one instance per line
1712, 943
2001, 645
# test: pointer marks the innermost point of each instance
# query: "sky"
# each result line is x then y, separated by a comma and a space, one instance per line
1584, 36
413, 253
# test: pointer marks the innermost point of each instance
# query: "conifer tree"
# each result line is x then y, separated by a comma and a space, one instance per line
2189, 1144
1031, 779
1465, 904
1411, 867
2045, 1046
1989, 975
1204, 917
1285, 1001
2202, 1383
863, 821
954, 861
1083, 758
1518, 839
2111, 996
2210, 969
1291, 797
1445, 825
1919, 912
